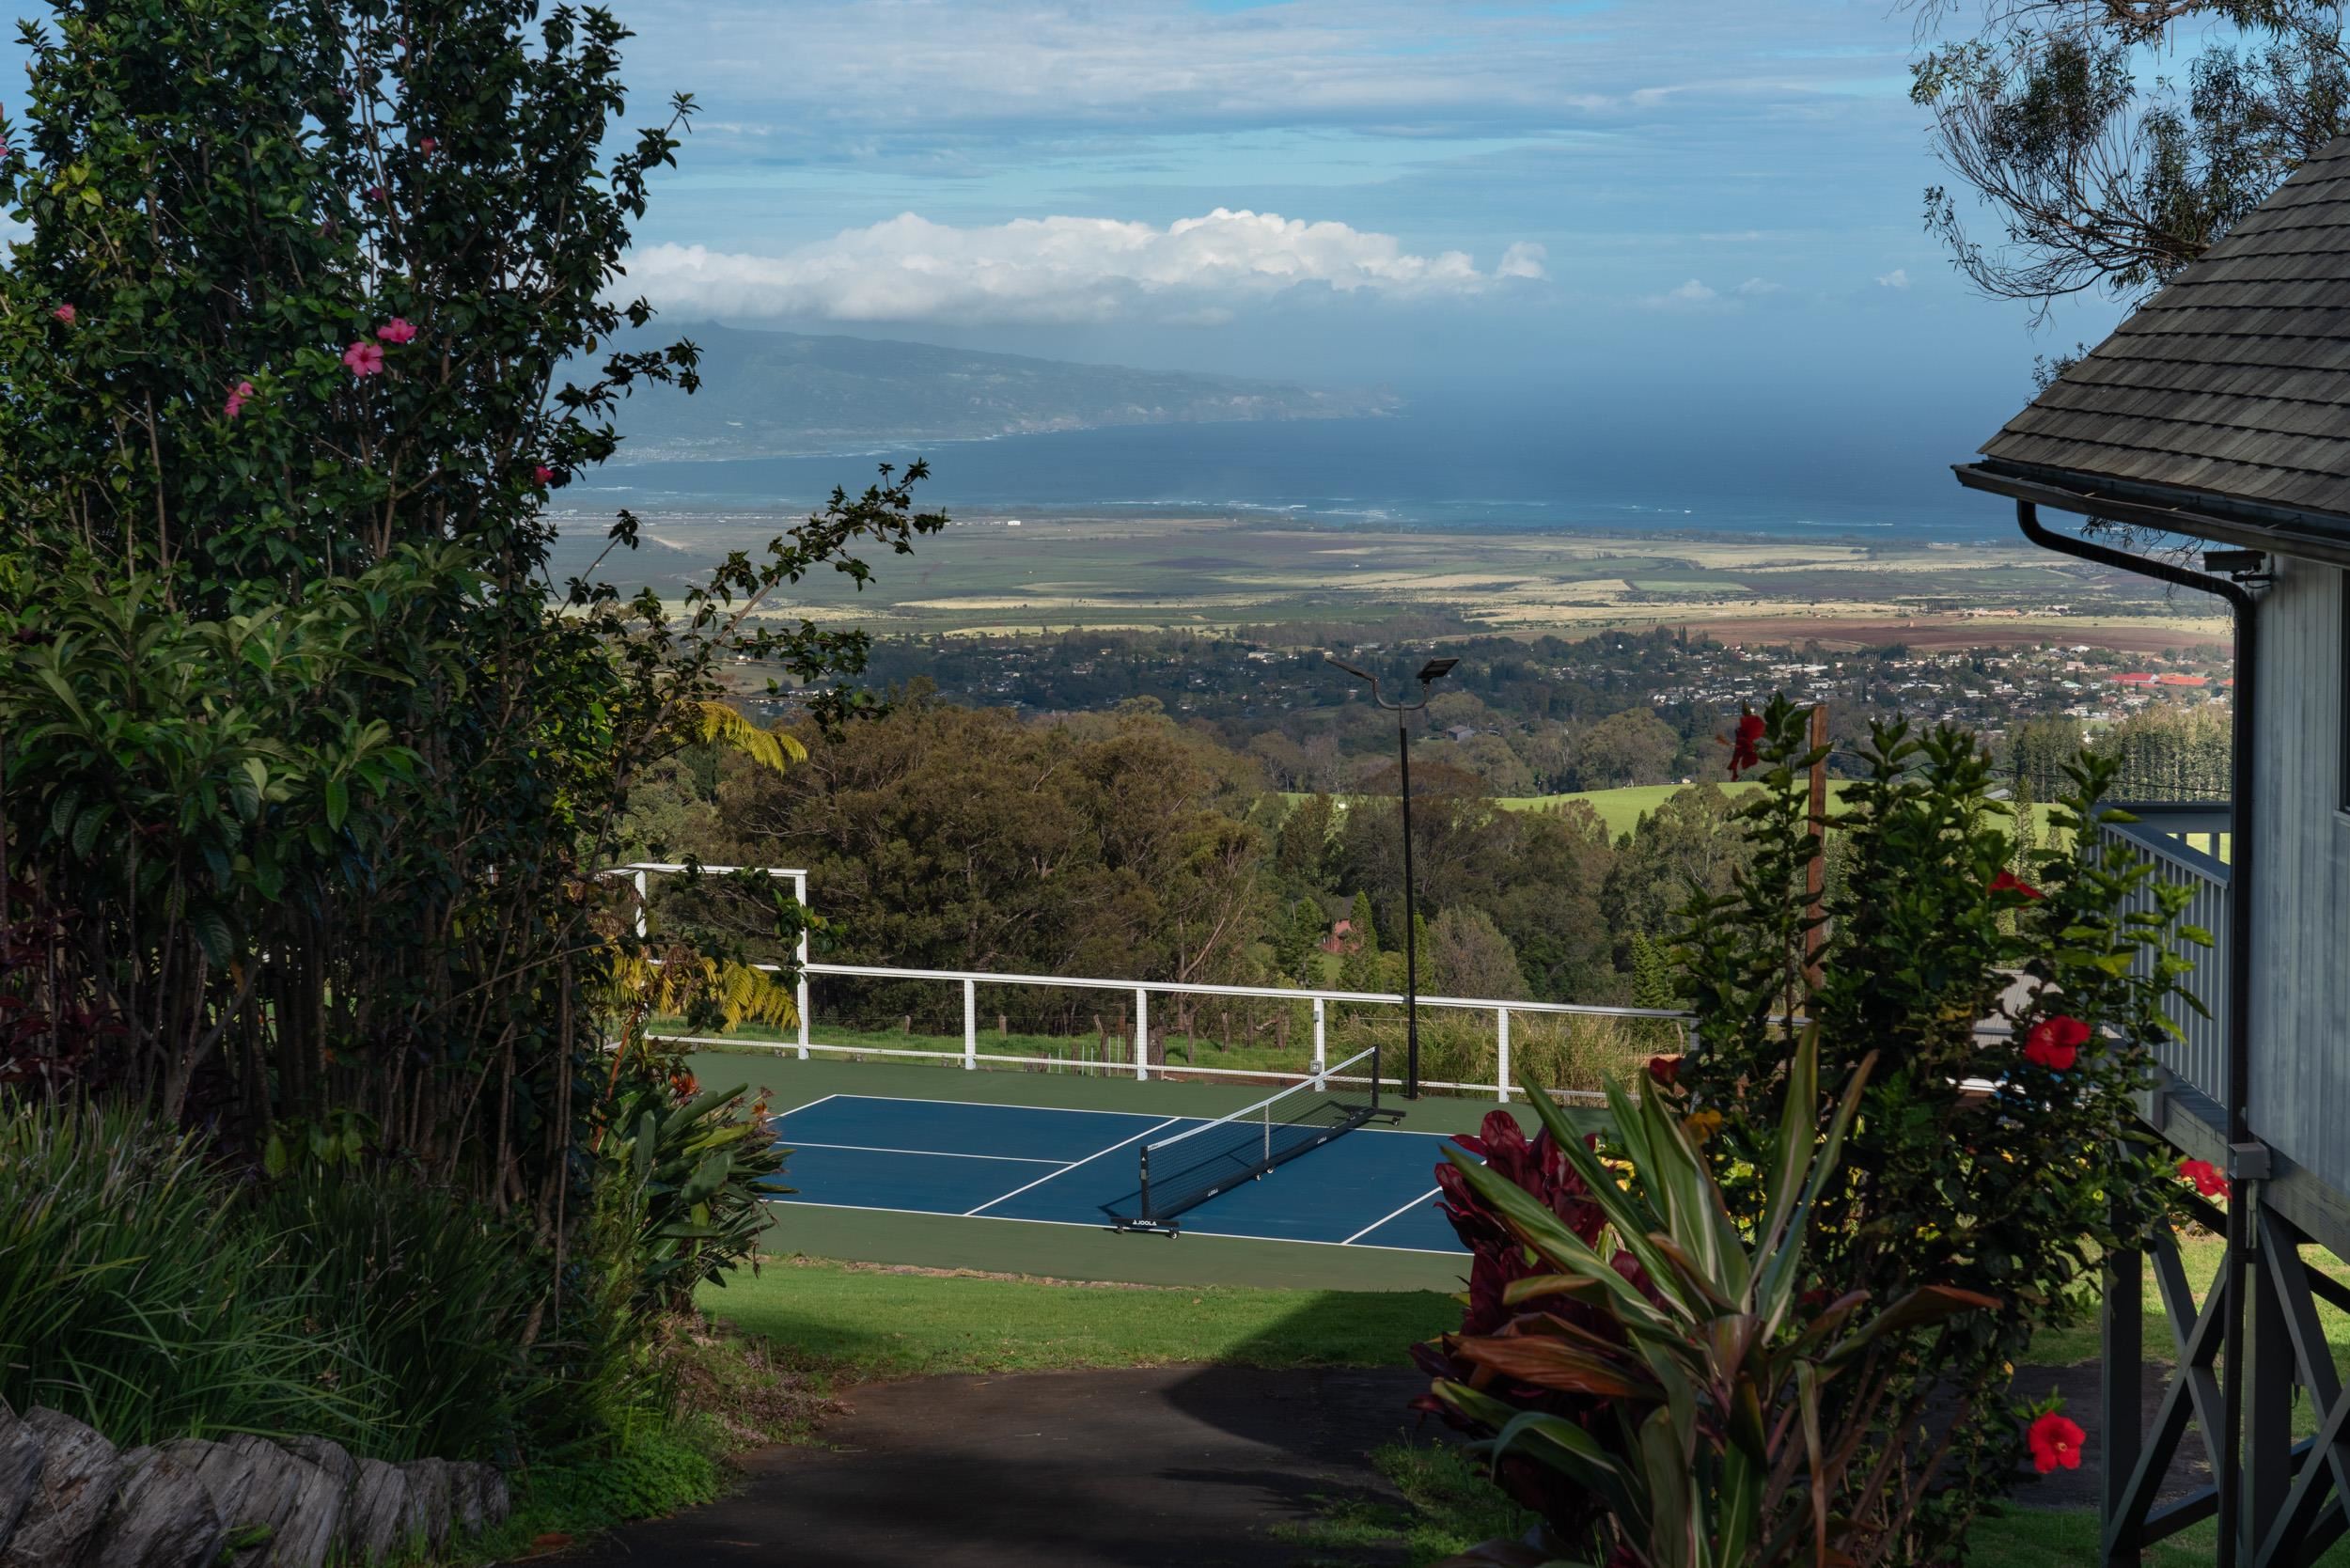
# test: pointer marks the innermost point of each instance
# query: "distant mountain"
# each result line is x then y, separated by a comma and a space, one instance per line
783, 394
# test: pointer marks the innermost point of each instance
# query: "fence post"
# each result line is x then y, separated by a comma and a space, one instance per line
970, 1025
1142, 1034
1320, 1059
1501, 1074
799, 893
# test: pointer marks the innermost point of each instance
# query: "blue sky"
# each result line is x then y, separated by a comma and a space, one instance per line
1707, 208
1721, 197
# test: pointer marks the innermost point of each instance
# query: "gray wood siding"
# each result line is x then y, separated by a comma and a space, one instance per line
2301, 968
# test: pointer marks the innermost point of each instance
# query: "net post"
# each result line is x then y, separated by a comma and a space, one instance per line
1320, 1057
1142, 1035
970, 1025
1145, 1210
799, 951
1267, 1155
1501, 1075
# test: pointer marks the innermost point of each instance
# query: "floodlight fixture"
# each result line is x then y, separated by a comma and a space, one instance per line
1436, 669
2239, 564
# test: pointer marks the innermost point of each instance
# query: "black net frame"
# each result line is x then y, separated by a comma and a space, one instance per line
1182, 1172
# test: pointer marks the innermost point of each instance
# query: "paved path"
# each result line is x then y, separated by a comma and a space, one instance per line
1161, 1467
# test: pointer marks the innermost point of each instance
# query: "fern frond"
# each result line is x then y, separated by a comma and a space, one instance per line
721, 723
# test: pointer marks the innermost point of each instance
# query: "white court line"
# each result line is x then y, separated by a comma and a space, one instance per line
927, 1154
1080, 1110
1074, 1165
1376, 1223
1088, 1225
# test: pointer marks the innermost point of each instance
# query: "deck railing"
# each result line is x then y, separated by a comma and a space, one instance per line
2191, 846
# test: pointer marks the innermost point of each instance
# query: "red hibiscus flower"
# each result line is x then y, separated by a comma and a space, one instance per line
397, 330
1743, 754
2205, 1176
2008, 882
2056, 1043
2056, 1444
542, 474
65, 313
364, 358
1665, 1069
429, 146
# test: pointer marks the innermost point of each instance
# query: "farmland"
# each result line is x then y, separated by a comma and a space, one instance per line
1281, 581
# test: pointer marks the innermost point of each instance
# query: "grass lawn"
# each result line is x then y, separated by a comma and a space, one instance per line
2201, 1253
851, 1322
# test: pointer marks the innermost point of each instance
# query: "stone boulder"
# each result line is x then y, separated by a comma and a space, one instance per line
479, 1496
20, 1469
328, 1455
375, 1517
429, 1502
299, 1504
165, 1514
79, 1471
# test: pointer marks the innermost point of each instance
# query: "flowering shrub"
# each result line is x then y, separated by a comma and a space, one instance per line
1931, 934
1653, 1381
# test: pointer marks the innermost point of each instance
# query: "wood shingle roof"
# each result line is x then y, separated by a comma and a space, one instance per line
2232, 384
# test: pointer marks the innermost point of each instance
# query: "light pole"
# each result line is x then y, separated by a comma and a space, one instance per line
1434, 670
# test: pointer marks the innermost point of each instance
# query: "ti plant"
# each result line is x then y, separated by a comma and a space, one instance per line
1703, 1360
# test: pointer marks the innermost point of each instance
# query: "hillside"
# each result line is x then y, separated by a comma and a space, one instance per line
780, 394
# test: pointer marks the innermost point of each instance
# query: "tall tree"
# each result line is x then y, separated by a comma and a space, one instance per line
2111, 144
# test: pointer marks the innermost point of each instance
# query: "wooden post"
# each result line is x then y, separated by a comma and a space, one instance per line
1815, 874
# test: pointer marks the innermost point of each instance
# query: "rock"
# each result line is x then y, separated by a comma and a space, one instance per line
376, 1515
163, 1516
79, 1471
429, 1507
20, 1469
464, 1497
299, 1504
497, 1503
477, 1497
327, 1455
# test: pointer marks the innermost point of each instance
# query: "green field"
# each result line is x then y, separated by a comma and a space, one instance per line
1621, 810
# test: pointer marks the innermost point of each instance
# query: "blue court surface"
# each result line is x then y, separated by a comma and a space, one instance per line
1372, 1187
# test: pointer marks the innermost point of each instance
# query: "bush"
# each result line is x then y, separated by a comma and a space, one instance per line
130, 1291
426, 1297
2012, 1193
1651, 1376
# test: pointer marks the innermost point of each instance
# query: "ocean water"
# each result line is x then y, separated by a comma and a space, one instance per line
1500, 467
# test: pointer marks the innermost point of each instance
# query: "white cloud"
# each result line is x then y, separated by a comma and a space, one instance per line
1524, 260
1897, 278
1759, 287
1691, 295
1059, 269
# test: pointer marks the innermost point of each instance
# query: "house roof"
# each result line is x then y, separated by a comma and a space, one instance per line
2228, 393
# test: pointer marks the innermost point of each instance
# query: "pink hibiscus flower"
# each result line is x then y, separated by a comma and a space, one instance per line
237, 399
364, 358
542, 474
65, 313
397, 330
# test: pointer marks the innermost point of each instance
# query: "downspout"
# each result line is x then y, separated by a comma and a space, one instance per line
2229, 1475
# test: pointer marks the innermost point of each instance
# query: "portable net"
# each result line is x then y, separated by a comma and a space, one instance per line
1185, 1170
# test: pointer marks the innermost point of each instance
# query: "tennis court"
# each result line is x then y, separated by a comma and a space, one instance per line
1372, 1187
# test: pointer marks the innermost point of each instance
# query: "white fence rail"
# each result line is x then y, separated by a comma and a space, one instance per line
807, 1041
